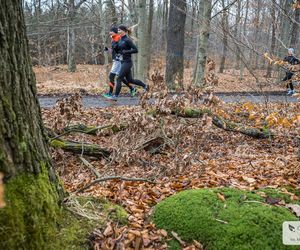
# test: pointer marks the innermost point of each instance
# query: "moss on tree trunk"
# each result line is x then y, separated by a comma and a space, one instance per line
31, 214
32, 190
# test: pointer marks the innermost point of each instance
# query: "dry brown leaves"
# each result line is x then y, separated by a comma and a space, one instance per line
92, 79
194, 155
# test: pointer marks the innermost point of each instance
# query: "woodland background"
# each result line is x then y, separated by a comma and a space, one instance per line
179, 33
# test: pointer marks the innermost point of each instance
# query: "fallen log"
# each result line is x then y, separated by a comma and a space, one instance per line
107, 178
225, 124
81, 128
80, 148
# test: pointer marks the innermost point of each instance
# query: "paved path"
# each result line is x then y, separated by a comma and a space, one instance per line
101, 102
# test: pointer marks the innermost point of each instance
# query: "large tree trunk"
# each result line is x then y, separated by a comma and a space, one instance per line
285, 25
273, 38
256, 33
71, 37
31, 188
175, 44
149, 35
165, 21
225, 38
237, 32
244, 35
205, 13
142, 41
295, 28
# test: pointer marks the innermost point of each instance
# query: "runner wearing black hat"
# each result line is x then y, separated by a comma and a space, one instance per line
116, 66
126, 48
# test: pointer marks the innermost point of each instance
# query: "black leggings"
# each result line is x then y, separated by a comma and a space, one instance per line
288, 77
112, 77
125, 75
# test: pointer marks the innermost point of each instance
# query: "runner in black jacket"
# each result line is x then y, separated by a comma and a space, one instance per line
290, 58
126, 47
116, 65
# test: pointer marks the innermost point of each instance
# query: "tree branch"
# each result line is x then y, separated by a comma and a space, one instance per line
90, 166
122, 178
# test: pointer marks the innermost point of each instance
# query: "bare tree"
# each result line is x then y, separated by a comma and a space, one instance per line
142, 40
295, 27
225, 27
72, 11
175, 43
205, 13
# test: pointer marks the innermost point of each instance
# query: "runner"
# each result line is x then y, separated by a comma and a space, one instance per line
116, 66
290, 58
126, 47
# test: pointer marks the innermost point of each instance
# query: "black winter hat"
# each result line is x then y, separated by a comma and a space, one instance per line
123, 27
114, 29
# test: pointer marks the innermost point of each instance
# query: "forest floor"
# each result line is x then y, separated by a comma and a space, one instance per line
192, 153
92, 79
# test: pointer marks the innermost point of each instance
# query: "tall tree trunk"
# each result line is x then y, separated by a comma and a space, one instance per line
256, 32
104, 36
38, 15
273, 38
142, 40
71, 51
72, 11
165, 21
175, 44
295, 27
237, 32
149, 34
111, 12
31, 187
225, 38
122, 11
134, 20
205, 13
244, 35
285, 25
71, 37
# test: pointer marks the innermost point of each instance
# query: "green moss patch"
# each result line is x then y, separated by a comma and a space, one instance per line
241, 221
32, 218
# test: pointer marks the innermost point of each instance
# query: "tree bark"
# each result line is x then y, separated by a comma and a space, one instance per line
237, 31
142, 40
71, 37
225, 38
32, 191
256, 32
175, 44
295, 27
273, 38
149, 34
205, 13
285, 24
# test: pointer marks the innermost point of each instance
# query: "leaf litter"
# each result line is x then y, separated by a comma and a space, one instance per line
177, 153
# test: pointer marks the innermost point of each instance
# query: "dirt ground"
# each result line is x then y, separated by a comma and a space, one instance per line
92, 79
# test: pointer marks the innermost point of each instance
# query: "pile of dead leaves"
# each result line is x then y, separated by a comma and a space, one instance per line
174, 152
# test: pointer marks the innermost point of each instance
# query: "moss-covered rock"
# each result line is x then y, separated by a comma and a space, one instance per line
242, 221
